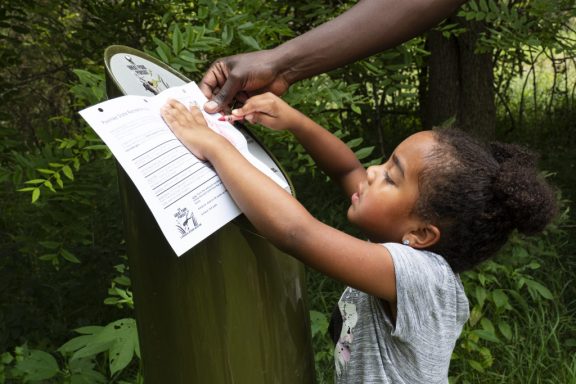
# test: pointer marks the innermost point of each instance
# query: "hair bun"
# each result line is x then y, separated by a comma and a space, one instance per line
529, 202
506, 153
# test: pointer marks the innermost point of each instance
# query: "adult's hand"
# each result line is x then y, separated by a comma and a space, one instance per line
242, 76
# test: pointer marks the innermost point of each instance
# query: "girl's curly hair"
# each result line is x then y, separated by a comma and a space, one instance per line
477, 194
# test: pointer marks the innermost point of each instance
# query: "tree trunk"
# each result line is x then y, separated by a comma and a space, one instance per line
459, 89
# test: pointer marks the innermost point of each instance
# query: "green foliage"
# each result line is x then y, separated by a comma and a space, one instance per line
76, 150
503, 294
219, 29
117, 343
73, 229
181, 52
29, 365
526, 37
119, 340
323, 354
516, 24
37, 365
120, 289
89, 89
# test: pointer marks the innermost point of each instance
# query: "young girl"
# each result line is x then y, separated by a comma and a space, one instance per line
439, 205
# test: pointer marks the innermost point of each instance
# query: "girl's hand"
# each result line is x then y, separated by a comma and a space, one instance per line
190, 128
270, 111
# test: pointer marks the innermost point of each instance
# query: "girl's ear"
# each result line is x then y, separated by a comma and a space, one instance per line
423, 237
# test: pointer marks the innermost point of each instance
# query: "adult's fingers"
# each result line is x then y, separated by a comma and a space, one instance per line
220, 86
214, 77
224, 96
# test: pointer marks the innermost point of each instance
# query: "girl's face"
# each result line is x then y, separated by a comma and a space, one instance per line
383, 203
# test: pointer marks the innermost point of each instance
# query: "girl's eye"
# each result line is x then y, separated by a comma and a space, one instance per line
388, 179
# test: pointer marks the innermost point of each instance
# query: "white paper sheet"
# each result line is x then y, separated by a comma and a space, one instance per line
184, 194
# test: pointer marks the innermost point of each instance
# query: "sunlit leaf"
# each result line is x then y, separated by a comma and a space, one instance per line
35, 194
68, 172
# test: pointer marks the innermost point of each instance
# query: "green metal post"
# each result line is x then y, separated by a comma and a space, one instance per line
231, 310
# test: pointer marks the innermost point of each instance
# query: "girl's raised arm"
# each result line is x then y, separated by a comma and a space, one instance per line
329, 152
281, 218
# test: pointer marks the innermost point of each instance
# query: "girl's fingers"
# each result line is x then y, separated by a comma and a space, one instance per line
262, 119
179, 117
172, 117
258, 104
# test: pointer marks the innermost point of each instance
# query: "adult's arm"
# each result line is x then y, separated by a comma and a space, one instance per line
368, 27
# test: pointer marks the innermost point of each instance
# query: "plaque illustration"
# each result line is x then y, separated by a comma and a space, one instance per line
185, 221
152, 84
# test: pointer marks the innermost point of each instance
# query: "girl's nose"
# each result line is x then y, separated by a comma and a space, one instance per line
371, 173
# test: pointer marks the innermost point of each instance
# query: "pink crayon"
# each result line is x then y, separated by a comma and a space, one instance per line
230, 118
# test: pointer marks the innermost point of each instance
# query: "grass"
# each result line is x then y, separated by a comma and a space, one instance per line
539, 352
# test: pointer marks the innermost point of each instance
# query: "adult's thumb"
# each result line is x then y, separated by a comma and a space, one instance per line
223, 98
